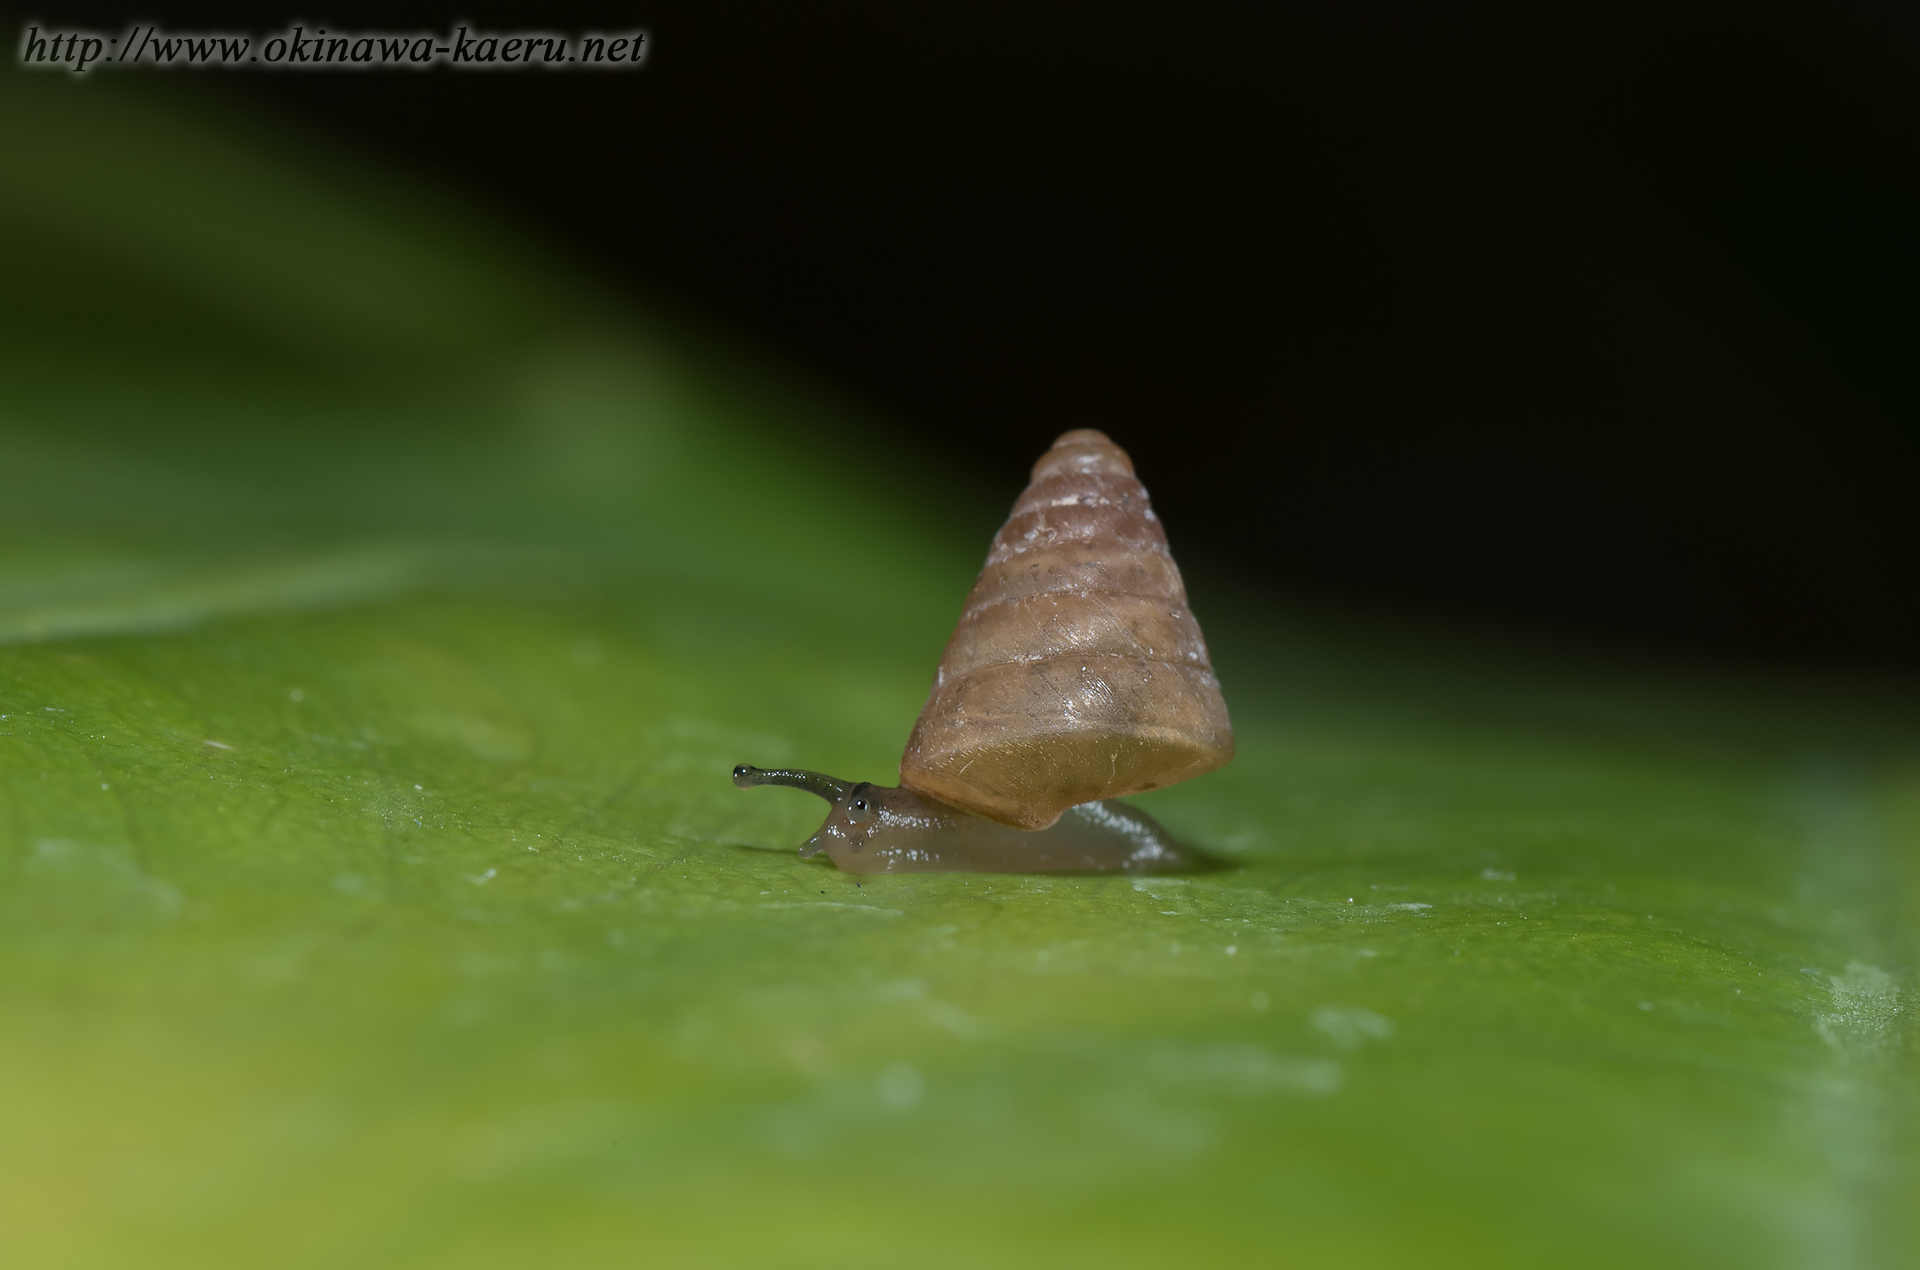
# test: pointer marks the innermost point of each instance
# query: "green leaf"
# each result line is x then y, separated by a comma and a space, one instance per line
381, 612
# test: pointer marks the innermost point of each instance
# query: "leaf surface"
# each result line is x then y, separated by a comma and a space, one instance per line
379, 622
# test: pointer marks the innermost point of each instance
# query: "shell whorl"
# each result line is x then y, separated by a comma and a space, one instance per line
1077, 671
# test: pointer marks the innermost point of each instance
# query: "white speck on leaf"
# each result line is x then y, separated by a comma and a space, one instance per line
1350, 1026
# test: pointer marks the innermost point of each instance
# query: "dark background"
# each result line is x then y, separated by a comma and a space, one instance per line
1598, 318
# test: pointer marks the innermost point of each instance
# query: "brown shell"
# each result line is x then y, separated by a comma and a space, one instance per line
1077, 671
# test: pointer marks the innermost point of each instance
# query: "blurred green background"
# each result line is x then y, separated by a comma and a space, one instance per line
382, 605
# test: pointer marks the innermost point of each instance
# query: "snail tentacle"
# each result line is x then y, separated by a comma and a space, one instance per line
746, 776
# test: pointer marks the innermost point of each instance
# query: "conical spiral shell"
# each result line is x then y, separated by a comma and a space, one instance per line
1077, 671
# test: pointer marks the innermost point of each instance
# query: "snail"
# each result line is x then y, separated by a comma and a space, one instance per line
1076, 675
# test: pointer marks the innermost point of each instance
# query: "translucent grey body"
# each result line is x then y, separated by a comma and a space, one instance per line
881, 829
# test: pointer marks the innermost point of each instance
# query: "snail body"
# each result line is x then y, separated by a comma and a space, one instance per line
1077, 674
886, 829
